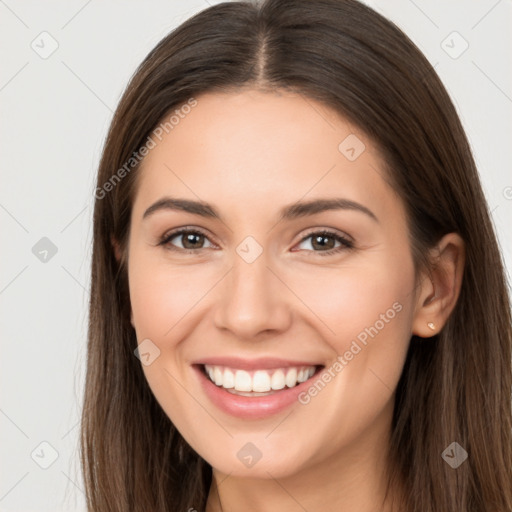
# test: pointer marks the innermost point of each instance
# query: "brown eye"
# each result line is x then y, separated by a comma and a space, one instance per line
323, 242
191, 240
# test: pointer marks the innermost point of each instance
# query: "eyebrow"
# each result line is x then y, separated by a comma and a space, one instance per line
289, 212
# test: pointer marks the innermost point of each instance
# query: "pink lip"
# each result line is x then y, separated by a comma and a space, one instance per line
264, 363
250, 407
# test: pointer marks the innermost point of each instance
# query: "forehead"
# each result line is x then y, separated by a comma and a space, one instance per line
252, 149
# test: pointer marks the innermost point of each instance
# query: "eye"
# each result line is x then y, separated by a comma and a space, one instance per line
325, 239
192, 240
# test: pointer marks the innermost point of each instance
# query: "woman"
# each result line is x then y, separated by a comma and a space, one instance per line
297, 301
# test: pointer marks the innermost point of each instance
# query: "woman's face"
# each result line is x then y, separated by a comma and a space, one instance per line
260, 294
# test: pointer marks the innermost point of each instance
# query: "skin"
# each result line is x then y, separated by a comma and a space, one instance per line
249, 154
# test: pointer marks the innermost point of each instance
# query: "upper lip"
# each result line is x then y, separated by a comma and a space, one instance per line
263, 363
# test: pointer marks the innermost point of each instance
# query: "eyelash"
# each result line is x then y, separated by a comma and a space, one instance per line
346, 244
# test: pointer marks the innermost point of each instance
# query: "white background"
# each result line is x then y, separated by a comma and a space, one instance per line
54, 115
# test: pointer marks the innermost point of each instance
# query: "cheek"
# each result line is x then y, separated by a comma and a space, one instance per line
366, 315
350, 300
162, 294
165, 300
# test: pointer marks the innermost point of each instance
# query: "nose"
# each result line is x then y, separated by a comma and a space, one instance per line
253, 300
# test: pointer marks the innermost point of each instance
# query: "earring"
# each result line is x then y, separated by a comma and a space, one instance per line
432, 326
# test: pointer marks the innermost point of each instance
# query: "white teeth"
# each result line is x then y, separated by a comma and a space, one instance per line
259, 381
229, 379
218, 376
243, 381
291, 377
278, 380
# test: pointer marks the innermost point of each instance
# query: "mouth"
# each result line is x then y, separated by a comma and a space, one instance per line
258, 382
255, 390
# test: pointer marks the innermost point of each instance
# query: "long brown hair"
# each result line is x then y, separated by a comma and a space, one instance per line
455, 387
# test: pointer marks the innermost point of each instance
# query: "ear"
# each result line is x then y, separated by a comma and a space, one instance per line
116, 247
117, 253
440, 289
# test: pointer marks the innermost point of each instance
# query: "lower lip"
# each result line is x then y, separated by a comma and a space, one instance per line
245, 407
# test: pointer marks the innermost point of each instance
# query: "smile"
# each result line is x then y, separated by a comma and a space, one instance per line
254, 389
248, 383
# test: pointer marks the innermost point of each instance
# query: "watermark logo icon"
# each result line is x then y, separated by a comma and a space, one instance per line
44, 250
249, 455
147, 352
352, 147
44, 455
44, 45
249, 249
454, 455
454, 45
